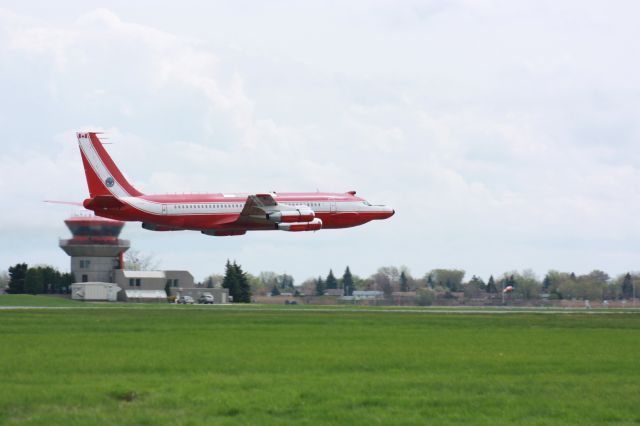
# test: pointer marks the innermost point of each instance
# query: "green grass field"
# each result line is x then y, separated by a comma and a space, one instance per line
168, 365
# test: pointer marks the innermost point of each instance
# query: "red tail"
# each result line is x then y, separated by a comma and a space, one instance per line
103, 176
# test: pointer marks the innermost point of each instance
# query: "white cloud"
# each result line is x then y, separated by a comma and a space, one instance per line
485, 124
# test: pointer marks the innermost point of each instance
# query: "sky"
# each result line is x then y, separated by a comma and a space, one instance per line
505, 134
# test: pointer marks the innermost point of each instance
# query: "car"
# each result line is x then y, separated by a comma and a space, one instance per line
206, 298
185, 300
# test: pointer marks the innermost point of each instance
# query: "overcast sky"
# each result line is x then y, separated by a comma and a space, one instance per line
505, 134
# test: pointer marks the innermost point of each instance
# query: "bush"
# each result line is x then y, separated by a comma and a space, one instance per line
425, 297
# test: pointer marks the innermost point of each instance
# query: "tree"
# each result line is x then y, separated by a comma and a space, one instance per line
231, 281
236, 281
244, 289
285, 282
50, 278
347, 282
320, 287
308, 287
474, 288
430, 282
213, 281
134, 260
167, 288
65, 282
16, 278
546, 283
491, 286
331, 282
275, 291
559, 284
404, 282
627, 287
592, 286
425, 296
33, 281
449, 278
525, 284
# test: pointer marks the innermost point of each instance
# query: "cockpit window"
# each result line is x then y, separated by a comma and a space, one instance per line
366, 203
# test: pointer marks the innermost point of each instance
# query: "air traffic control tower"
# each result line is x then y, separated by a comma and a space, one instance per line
95, 249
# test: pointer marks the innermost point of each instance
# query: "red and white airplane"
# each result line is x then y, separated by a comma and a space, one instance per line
112, 196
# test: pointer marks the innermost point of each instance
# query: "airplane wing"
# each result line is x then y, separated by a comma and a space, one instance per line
254, 211
258, 204
258, 213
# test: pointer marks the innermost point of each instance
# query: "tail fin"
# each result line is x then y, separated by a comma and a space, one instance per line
103, 176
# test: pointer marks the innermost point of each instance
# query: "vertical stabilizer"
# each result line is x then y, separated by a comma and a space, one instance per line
103, 176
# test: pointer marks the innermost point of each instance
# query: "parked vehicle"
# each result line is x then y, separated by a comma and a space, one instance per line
185, 300
206, 298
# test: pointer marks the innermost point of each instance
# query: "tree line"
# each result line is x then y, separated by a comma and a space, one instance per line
450, 283
390, 280
22, 279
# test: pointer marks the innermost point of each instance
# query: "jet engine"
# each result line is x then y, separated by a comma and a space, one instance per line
291, 216
313, 225
154, 227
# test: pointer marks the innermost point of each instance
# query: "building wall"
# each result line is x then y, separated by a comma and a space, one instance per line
95, 291
138, 283
184, 279
93, 269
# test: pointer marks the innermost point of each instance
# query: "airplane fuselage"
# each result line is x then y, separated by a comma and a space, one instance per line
206, 211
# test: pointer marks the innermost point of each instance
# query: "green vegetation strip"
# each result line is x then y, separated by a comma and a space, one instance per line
216, 366
30, 301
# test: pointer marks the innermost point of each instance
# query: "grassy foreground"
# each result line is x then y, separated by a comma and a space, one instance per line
40, 301
216, 366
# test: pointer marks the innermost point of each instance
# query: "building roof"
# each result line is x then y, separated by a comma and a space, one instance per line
95, 283
143, 274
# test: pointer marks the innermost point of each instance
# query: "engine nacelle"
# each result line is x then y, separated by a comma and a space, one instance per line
313, 225
291, 216
159, 228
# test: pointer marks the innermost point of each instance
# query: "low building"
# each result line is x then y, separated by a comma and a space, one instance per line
95, 291
365, 295
151, 281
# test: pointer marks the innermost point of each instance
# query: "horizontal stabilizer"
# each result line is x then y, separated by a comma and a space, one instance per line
69, 203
